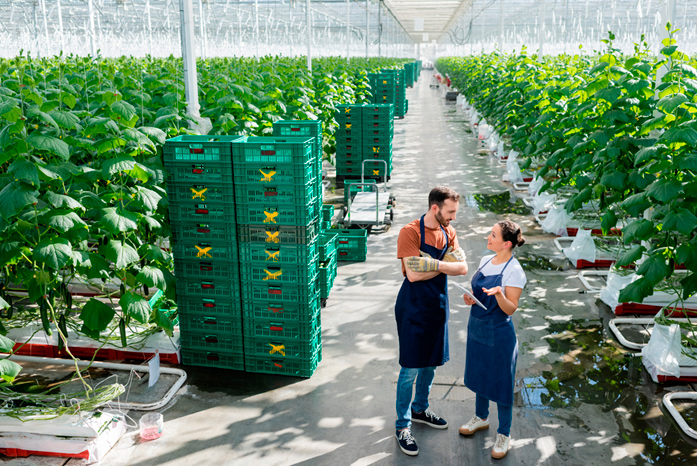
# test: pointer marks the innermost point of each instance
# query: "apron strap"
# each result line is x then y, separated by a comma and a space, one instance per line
423, 236
504, 268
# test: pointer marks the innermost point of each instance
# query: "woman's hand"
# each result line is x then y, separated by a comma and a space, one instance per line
469, 301
493, 291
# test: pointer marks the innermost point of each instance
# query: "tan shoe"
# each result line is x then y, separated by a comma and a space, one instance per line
500, 446
474, 425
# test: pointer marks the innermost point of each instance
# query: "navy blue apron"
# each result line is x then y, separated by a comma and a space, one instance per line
422, 312
492, 347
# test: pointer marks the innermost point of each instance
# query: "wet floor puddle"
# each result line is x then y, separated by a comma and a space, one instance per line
593, 371
497, 203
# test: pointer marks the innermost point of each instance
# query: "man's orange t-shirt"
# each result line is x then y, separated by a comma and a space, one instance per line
409, 240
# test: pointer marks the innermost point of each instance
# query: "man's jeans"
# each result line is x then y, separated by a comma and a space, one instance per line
405, 391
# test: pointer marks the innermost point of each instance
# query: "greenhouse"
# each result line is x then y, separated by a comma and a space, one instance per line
285, 232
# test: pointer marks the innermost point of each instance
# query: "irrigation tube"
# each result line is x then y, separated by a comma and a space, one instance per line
668, 403
124, 367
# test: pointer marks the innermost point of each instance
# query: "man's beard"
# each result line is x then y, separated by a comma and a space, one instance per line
441, 220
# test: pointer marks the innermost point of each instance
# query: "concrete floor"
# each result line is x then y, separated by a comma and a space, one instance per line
580, 401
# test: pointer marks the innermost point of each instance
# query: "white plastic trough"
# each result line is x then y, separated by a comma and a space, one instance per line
668, 403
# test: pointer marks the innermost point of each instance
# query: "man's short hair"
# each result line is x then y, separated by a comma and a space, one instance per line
439, 194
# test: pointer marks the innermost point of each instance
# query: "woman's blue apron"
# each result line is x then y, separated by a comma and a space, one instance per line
422, 312
492, 347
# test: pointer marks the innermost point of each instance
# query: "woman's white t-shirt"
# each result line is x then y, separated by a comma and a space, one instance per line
513, 276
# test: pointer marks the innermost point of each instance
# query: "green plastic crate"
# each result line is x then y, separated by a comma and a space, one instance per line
208, 288
194, 148
377, 149
277, 214
273, 310
299, 330
351, 255
297, 128
277, 347
378, 110
200, 172
183, 193
205, 212
352, 245
222, 360
298, 367
204, 231
274, 150
325, 225
278, 254
327, 244
353, 140
384, 126
327, 274
227, 342
275, 234
282, 194
344, 156
348, 113
282, 293
327, 212
274, 172
280, 274
210, 323
206, 270
207, 306
219, 251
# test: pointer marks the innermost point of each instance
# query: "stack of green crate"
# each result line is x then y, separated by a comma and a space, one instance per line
400, 99
205, 249
275, 197
378, 131
327, 262
418, 70
305, 128
385, 88
349, 145
352, 245
409, 71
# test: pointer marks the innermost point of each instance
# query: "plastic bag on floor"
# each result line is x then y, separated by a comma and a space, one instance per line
610, 295
543, 202
535, 185
556, 221
582, 247
513, 171
664, 350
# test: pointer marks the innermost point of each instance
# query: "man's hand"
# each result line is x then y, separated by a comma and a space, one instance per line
422, 264
454, 255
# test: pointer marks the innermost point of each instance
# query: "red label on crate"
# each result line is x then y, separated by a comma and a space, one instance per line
343, 242
213, 357
343, 253
270, 193
208, 304
276, 328
275, 291
211, 339
196, 151
275, 310
278, 365
201, 211
203, 230
295, 129
268, 152
206, 268
207, 286
197, 171
210, 321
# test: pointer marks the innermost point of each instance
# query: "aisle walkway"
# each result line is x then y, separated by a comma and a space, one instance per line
567, 410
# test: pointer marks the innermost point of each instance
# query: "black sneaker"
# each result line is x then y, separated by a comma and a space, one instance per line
428, 418
407, 443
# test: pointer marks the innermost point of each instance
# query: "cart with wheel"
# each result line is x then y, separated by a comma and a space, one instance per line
372, 205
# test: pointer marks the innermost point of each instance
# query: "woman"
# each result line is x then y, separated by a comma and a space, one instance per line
492, 347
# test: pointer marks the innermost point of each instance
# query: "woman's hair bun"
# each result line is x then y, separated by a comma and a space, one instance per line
510, 231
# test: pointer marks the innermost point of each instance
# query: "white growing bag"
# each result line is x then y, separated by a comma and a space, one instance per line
535, 185
501, 149
493, 141
543, 202
484, 129
610, 295
582, 247
513, 155
663, 351
556, 221
513, 170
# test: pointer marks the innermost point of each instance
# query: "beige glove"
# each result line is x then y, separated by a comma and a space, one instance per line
456, 255
422, 264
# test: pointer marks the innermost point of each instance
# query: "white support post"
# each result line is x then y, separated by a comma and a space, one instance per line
348, 30
367, 28
43, 12
308, 20
501, 25
541, 29
256, 27
189, 57
147, 13
203, 29
379, 29
60, 25
93, 46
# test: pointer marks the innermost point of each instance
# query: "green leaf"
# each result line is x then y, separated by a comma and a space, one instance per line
615, 180
135, 306
638, 230
64, 220
3, 304
118, 220
49, 144
97, 267
6, 344
665, 190
635, 291
22, 169
155, 134
110, 144
655, 268
69, 100
164, 322
689, 285
670, 103
138, 137
688, 163
631, 256
67, 120
9, 370
687, 254
120, 253
117, 164
608, 221
123, 109
683, 134
97, 315
152, 277
681, 220
15, 197
609, 94
140, 173
647, 153
63, 200
636, 204
149, 198
56, 252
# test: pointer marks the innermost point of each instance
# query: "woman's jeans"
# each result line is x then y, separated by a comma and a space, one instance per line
424, 379
481, 409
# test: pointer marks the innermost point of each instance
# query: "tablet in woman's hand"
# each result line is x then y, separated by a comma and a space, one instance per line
469, 294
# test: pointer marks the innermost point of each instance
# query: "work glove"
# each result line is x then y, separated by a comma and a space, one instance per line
454, 255
422, 264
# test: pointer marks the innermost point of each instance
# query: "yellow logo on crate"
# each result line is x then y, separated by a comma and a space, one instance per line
270, 217
272, 276
272, 255
277, 349
348, 125
203, 252
347, 110
199, 194
376, 150
376, 172
272, 237
267, 176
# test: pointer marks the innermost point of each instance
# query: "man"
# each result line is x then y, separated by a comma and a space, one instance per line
429, 251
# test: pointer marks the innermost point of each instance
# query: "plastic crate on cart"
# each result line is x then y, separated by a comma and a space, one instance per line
303, 310
344, 156
279, 254
210, 323
271, 364
226, 251
205, 270
204, 231
282, 347
275, 234
377, 135
282, 293
210, 341
270, 150
271, 214
209, 306
352, 238
208, 288
286, 194
328, 241
222, 360
289, 329
194, 148
203, 212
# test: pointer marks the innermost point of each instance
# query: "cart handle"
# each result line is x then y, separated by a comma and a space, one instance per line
374, 160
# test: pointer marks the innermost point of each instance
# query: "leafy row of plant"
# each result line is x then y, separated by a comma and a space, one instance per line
607, 127
82, 193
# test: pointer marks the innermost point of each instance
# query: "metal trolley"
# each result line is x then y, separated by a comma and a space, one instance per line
369, 208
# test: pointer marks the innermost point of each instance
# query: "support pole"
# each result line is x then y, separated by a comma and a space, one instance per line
93, 47
501, 25
379, 29
308, 19
203, 29
60, 25
367, 28
348, 30
147, 13
541, 37
256, 27
43, 12
189, 57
